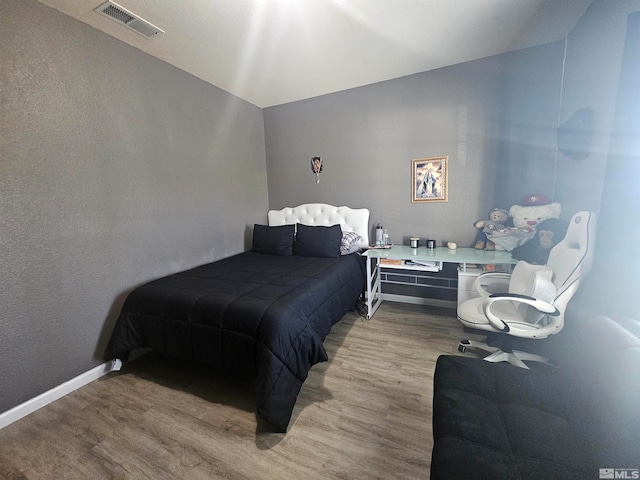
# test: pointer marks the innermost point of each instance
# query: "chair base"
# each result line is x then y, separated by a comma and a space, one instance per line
514, 357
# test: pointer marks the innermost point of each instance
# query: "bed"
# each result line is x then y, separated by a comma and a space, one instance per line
265, 312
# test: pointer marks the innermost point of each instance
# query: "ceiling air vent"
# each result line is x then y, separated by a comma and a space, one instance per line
130, 20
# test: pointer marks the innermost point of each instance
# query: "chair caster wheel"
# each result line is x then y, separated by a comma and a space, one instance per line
462, 348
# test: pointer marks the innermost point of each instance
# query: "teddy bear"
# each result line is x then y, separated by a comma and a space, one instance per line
497, 220
535, 209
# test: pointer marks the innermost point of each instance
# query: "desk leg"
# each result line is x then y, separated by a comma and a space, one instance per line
374, 294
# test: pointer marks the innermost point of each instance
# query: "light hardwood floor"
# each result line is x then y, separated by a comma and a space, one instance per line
364, 414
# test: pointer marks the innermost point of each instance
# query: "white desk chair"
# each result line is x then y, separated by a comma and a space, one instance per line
537, 298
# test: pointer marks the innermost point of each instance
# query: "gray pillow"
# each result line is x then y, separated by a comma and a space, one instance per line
350, 243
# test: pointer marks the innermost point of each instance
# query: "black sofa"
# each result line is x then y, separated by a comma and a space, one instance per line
496, 421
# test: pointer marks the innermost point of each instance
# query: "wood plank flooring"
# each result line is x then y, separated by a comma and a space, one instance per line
364, 414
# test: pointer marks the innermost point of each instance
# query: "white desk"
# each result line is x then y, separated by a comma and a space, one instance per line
436, 257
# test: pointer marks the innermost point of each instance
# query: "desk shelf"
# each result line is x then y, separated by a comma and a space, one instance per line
415, 279
412, 266
416, 285
393, 275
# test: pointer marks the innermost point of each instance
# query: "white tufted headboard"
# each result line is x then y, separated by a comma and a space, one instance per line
349, 219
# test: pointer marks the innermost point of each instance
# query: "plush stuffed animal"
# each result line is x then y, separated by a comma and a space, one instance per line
535, 209
497, 220
548, 235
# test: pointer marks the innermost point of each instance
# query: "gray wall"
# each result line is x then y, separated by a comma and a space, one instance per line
496, 119
612, 287
478, 113
529, 99
115, 168
594, 57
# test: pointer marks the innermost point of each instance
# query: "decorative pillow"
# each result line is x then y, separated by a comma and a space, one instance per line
317, 241
534, 281
350, 243
273, 240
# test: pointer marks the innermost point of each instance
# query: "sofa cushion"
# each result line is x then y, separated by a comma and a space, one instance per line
492, 420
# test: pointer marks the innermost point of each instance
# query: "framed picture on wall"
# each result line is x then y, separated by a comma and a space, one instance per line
429, 179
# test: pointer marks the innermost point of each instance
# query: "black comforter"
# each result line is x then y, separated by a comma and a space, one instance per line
254, 313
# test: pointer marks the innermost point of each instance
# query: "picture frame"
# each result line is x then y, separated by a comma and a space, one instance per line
429, 179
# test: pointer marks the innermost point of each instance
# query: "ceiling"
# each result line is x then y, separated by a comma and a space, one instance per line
271, 52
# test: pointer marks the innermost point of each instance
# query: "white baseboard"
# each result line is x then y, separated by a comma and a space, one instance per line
30, 406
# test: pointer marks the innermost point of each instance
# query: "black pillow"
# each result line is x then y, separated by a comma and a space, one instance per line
273, 240
317, 241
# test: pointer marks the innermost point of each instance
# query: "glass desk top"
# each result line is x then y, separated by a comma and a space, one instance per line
443, 254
